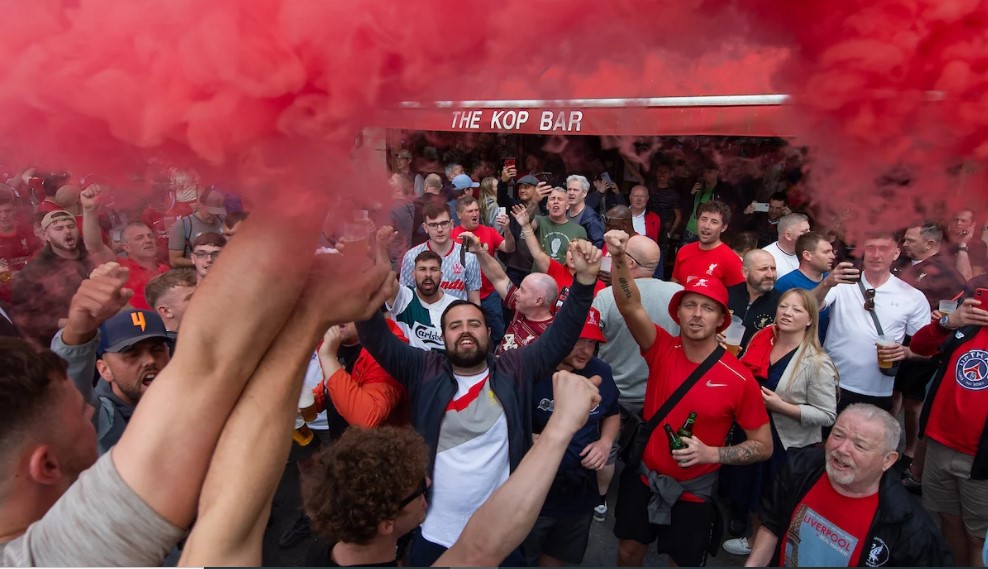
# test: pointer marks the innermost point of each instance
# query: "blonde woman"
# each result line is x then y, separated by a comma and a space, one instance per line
487, 198
799, 388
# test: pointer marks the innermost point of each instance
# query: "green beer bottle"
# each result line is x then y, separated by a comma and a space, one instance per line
687, 429
674, 442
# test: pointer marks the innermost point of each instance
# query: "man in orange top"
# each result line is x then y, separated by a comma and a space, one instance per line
137, 241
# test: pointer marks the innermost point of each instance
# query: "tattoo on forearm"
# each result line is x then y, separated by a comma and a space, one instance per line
623, 283
744, 453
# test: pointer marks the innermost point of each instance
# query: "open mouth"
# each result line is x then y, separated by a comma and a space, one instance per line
839, 464
148, 377
467, 343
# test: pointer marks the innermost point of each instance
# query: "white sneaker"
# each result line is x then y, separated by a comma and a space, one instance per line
737, 546
600, 513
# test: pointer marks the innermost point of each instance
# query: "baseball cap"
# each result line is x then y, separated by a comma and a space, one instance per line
463, 181
704, 286
591, 328
212, 202
529, 180
53, 216
128, 328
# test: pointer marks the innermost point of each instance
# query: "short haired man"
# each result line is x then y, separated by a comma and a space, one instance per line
645, 222
707, 189
954, 425
468, 210
709, 257
169, 294
205, 250
556, 230
461, 184
431, 195
17, 241
664, 200
417, 309
206, 217
577, 188
42, 291
754, 301
816, 260
128, 350
469, 407
932, 273
765, 224
900, 309
562, 530
459, 280
528, 192
784, 250
533, 301
969, 252
840, 507
137, 241
682, 520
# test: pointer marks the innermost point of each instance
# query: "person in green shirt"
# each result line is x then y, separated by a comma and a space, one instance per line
555, 231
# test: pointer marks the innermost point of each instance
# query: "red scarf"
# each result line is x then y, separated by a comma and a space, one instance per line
758, 354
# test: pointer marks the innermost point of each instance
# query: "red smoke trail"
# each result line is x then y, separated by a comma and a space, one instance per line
277, 90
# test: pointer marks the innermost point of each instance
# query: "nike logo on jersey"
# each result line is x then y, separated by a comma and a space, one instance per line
715, 384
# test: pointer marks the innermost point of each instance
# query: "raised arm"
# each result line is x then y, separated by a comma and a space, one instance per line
627, 298
509, 244
91, 234
488, 264
541, 259
236, 497
507, 517
843, 273
231, 322
366, 403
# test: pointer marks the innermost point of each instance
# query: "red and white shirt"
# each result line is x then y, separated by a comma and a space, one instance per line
721, 263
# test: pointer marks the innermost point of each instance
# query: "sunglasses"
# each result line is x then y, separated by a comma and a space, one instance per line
422, 488
869, 304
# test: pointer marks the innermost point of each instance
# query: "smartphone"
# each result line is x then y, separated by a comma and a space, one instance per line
981, 295
545, 177
760, 206
509, 162
606, 177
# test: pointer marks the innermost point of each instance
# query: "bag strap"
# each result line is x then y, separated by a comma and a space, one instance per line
673, 400
874, 315
187, 224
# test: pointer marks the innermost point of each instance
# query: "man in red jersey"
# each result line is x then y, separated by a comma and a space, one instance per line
709, 257
669, 496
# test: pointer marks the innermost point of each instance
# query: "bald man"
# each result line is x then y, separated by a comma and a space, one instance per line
755, 299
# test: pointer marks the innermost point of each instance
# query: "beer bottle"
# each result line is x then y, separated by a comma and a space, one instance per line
686, 431
674, 442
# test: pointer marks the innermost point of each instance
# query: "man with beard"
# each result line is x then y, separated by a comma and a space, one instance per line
136, 240
42, 291
709, 257
418, 310
839, 507
667, 497
754, 301
460, 272
472, 407
127, 349
816, 259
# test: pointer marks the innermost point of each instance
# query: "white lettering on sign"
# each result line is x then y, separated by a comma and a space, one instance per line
466, 119
568, 122
508, 120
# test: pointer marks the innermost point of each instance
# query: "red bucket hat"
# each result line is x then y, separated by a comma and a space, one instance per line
591, 328
704, 286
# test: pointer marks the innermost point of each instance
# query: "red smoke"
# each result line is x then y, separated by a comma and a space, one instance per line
278, 90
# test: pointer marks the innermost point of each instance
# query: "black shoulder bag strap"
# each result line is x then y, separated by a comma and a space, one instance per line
874, 316
674, 399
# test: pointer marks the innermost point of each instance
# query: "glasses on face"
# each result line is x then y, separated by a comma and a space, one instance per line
204, 254
869, 304
422, 488
439, 224
639, 263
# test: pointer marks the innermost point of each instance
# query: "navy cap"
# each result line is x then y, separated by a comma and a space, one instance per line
128, 328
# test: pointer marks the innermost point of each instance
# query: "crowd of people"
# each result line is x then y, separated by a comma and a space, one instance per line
461, 373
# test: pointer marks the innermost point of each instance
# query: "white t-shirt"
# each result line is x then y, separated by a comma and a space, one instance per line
784, 262
420, 321
638, 222
471, 459
851, 336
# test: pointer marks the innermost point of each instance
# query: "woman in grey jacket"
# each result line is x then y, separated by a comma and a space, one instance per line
799, 387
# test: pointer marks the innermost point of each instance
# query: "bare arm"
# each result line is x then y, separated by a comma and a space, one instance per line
508, 515
757, 448
176, 259
763, 548
236, 496
230, 324
91, 234
509, 244
489, 265
539, 256
626, 294
474, 296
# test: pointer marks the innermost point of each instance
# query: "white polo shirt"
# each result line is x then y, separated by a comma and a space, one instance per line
784, 262
851, 337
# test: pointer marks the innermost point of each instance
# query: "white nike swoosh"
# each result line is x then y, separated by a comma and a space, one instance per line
715, 384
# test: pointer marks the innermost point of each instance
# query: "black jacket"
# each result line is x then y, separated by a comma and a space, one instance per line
756, 315
901, 535
428, 375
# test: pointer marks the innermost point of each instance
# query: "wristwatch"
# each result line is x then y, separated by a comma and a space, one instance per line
945, 323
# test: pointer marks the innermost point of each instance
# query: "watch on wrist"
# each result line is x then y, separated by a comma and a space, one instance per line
945, 322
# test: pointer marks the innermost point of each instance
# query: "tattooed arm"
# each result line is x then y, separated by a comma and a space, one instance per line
626, 294
757, 448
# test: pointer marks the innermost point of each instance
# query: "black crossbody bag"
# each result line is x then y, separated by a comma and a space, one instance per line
631, 454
